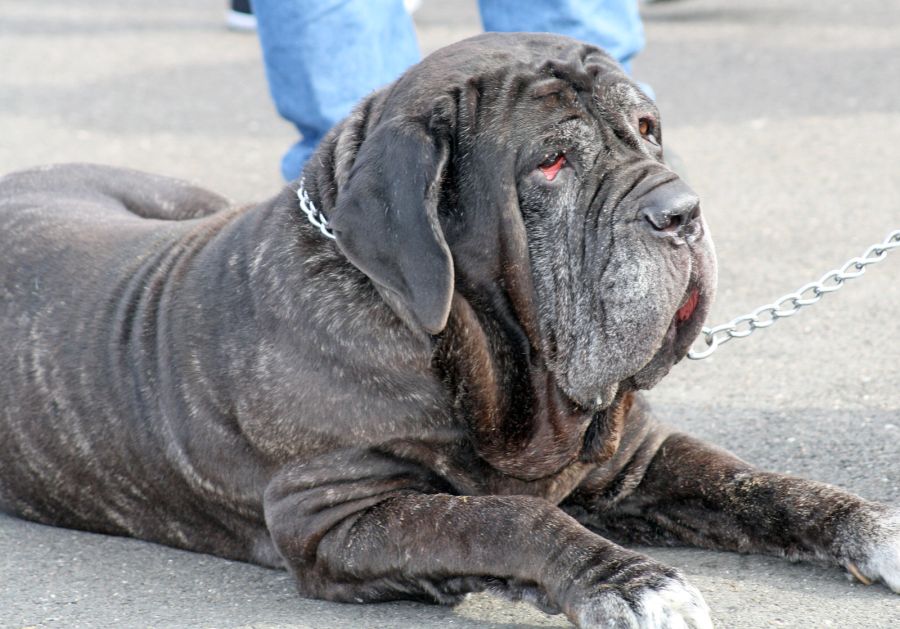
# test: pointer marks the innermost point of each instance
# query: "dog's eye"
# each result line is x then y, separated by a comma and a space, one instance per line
552, 165
647, 129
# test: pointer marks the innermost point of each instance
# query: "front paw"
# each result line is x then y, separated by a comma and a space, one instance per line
663, 601
876, 549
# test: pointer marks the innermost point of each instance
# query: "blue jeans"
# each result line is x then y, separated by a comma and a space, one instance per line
323, 56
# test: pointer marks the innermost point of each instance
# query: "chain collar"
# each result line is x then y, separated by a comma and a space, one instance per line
312, 212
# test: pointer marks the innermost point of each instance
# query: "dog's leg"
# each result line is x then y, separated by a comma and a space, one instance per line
384, 535
694, 493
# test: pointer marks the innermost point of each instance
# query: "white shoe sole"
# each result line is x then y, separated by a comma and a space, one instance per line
237, 21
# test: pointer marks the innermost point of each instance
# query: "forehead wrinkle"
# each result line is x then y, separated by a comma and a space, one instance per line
596, 60
571, 66
617, 96
500, 91
544, 87
516, 84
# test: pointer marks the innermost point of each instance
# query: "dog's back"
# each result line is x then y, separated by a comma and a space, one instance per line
94, 188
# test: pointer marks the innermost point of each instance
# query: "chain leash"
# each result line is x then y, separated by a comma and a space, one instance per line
792, 303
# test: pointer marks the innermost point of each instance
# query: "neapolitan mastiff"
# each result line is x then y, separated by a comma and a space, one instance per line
441, 400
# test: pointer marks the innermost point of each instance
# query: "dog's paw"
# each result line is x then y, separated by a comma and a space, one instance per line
673, 603
878, 558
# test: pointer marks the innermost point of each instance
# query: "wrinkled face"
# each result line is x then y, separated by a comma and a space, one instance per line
622, 263
525, 172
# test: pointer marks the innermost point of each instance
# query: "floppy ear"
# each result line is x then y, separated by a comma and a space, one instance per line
385, 220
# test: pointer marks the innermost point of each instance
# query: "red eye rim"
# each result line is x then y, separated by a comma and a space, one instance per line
551, 169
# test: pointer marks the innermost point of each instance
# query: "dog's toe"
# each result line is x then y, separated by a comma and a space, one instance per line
880, 556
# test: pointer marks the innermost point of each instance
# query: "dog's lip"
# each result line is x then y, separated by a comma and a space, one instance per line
683, 319
688, 306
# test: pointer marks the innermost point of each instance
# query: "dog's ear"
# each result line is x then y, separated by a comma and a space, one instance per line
385, 220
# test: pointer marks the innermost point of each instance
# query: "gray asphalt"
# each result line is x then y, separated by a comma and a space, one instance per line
786, 115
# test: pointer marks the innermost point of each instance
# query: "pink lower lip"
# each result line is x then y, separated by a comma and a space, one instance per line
684, 313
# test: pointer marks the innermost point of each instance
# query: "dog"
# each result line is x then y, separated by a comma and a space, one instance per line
412, 374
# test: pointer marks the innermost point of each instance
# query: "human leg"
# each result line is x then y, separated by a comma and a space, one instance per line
614, 25
323, 56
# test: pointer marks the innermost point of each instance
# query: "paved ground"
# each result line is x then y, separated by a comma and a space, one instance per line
787, 116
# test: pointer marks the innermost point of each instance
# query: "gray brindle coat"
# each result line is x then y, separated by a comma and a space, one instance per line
440, 401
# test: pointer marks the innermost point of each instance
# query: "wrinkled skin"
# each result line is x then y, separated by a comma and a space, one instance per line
443, 399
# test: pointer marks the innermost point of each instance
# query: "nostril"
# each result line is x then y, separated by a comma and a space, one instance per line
676, 221
663, 221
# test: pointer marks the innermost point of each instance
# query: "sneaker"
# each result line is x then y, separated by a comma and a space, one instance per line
240, 16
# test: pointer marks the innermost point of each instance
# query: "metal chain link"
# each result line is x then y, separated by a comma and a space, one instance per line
312, 212
791, 304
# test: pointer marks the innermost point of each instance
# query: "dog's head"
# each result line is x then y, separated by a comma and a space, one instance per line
528, 169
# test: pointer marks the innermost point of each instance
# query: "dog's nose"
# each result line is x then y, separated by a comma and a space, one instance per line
672, 210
